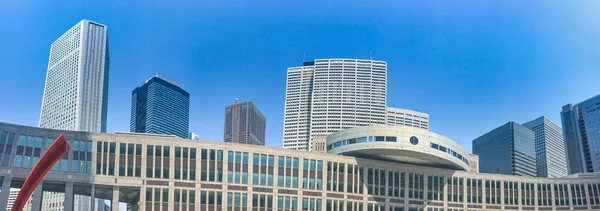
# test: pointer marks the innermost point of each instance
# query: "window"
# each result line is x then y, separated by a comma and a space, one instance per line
414, 140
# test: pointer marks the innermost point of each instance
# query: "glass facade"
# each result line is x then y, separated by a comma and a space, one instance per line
160, 107
508, 149
581, 128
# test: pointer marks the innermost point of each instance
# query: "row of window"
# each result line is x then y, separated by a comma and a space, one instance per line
450, 151
362, 140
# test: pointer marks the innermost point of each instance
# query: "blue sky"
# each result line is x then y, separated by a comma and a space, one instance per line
472, 65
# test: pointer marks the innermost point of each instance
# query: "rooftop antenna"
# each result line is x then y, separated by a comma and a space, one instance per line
304, 57
371, 54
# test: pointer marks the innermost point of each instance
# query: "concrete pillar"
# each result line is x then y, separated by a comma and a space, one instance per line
114, 204
6, 181
36, 198
69, 196
142, 199
93, 198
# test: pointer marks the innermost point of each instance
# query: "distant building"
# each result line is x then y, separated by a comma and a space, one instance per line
581, 130
398, 116
160, 106
193, 136
551, 160
508, 149
245, 124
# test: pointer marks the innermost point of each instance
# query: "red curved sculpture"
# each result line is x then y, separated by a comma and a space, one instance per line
59, 148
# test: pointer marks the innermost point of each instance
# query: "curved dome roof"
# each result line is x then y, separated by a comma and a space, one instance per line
399, 144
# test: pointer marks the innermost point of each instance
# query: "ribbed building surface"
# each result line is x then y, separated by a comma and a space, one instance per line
549, 148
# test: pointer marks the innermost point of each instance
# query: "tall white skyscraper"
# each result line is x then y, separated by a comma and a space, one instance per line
76, 91
551, 160
328, 95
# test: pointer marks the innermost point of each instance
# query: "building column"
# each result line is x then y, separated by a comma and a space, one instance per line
114, 203
69, 196
5, 191
587, 196
36, 198
93, 198
142, 199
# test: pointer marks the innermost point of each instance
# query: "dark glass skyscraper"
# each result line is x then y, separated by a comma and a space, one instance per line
245, 124
160, 107
581, 130
508, 149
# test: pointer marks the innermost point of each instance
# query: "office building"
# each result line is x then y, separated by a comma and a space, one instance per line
551, 160
508, 149
581, 130
370, 168
327, 95
76, 91
160, 106
244, 124
398, 116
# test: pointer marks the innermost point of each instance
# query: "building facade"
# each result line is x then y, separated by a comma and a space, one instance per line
244, 124
508, 149
398, 116
76, 91
581, 129
550, 152
157, 172
160, 106
328, 95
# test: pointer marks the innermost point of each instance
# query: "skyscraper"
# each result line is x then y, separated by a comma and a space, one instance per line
551, 160
508, 149
581, 130
160, 106
327, 95
76, 90
245, 124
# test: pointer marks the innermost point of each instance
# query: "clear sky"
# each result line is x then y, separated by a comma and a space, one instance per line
472, 65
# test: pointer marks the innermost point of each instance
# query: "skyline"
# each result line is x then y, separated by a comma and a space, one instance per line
447, 100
